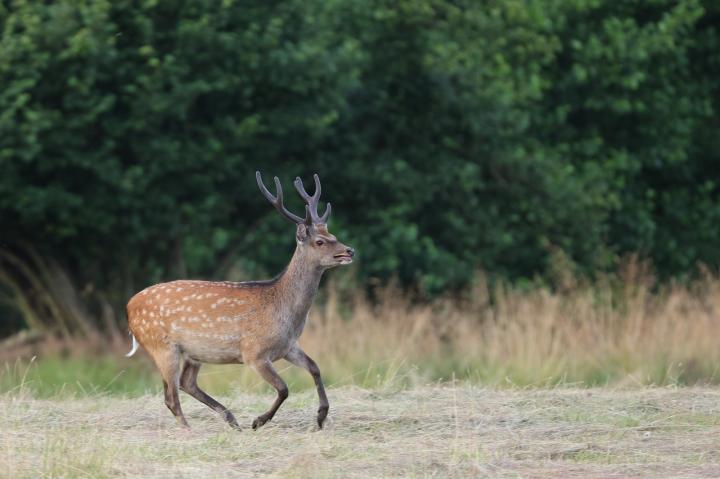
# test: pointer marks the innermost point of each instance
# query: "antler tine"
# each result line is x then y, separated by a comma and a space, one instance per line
277, 202
324, 218
301, 190
328, 207
318, 188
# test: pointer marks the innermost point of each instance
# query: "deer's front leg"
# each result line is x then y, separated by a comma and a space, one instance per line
266, 370
298, 357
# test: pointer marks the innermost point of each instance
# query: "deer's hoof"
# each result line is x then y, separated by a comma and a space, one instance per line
230, 419
259, 421
322, 414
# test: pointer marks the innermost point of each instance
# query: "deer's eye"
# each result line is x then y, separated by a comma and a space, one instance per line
319, 242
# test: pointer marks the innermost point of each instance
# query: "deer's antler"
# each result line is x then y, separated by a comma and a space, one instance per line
311, 212
277, 202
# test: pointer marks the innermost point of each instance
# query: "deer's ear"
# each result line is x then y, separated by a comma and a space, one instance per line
302, 232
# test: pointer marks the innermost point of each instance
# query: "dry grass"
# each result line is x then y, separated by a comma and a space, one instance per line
431, 431
620, 332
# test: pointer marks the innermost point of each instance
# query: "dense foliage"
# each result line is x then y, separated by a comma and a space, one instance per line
451, 136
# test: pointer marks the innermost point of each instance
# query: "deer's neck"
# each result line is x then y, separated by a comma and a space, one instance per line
298, 285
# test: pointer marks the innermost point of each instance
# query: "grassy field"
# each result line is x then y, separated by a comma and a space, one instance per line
612, 379
428, 431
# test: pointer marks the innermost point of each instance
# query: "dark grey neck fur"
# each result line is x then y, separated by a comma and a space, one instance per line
298, 285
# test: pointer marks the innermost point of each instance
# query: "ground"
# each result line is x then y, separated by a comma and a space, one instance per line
433, 431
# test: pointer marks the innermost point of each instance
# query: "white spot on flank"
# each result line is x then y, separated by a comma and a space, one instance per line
227, 337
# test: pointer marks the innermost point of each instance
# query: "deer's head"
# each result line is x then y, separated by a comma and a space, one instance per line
313, 238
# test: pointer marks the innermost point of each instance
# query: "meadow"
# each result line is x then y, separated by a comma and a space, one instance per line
623, 331
448, 430
611, 378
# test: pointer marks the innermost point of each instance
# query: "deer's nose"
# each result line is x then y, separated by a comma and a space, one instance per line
350, 252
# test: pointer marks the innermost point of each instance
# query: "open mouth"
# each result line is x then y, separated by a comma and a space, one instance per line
343, 258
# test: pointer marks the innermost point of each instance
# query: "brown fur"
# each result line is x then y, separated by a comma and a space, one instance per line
182, 324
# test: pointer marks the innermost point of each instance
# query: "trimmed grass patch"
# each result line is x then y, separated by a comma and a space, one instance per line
429, 431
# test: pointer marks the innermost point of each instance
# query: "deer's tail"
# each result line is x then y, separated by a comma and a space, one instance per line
135, 346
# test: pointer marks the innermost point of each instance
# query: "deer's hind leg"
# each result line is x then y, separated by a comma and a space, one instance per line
168, 362
188, 383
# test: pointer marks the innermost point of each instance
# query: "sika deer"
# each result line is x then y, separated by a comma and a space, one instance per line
183, 324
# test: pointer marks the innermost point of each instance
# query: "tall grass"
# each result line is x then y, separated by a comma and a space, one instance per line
621, 331
624, 331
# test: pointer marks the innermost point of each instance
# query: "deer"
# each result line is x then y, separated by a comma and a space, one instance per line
185, 323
